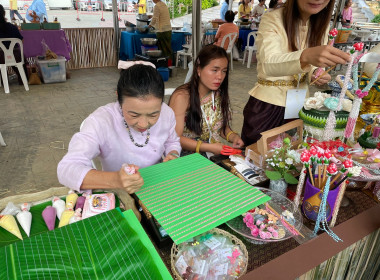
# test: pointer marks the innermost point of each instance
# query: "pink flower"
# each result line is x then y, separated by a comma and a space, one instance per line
262, 234
255, 231
333, 32
358, 46
361, 93
262, 226
269, 235
347, 163
259, 222
248, 218
275, 234
305, 156
271, 229
332, 169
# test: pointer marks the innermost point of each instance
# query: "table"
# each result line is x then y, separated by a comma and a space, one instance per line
130, 43
55, 39
209, 37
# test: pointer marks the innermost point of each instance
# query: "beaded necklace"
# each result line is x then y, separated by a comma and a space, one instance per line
133, 140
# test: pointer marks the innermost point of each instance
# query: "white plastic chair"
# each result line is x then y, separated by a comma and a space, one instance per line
231, 37
250, 49
186, 52
10, 60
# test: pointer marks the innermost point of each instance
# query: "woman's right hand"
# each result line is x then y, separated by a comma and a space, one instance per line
130, 183
215, 148
323, 56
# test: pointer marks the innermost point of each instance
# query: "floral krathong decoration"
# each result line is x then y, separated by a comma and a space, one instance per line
331, 121
359, 94
263, 224
282, 162
318, 101
321, 163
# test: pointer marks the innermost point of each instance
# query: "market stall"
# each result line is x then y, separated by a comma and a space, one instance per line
56, 40
130, 43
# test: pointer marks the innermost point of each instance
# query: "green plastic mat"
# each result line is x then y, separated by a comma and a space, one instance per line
107, 246
38, 225
191, 195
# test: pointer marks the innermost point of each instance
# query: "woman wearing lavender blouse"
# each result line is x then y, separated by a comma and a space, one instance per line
136, 130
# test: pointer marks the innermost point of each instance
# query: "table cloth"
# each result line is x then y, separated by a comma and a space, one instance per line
130, 43
55, 39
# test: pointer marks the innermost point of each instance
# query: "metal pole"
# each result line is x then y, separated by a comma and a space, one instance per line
115, 19
196, 28
230, 5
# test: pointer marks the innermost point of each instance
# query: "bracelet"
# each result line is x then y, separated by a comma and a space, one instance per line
229, 134
174, 155
199, 143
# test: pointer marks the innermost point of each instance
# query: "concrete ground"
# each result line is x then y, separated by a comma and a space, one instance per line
38, 125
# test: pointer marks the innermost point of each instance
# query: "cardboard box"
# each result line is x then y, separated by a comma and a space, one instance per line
258, 151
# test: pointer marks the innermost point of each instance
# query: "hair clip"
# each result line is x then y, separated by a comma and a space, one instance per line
235, 254
205, 237
195, 243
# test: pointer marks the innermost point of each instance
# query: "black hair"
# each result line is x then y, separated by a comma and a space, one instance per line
346, 3
194, 115
227, 1
229, 16
273, 4
140, 81
3, 22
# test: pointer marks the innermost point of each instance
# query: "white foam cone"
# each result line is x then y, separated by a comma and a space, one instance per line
25, 220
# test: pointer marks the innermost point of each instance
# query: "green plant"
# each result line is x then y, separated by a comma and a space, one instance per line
282, 162
376, 19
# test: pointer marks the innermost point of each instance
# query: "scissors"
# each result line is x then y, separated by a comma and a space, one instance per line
227, 151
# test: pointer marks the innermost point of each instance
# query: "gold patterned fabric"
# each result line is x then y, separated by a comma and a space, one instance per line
214, 118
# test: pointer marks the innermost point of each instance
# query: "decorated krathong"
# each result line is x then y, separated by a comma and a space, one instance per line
335, 104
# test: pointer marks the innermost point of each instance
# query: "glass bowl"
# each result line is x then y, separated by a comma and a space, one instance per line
279, 203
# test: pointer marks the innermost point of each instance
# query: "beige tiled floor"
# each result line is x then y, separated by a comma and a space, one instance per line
38, 125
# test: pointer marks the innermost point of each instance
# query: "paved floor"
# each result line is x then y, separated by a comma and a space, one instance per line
38, 125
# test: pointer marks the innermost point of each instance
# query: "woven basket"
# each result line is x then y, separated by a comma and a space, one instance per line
234, 240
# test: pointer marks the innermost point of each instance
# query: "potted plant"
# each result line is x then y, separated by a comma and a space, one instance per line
282, 163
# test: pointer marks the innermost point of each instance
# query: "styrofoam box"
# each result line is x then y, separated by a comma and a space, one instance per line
53, 70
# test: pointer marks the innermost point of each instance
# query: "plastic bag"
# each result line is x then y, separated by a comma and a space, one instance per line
49, 54
34, 79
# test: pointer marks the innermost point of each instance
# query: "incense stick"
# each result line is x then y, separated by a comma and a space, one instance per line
337, 176
324, 73
285, 221
311, 176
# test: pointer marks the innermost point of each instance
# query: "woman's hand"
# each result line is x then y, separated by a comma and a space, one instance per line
172, 155
323, 56
131, 183
215, 148
322, 80
237, 142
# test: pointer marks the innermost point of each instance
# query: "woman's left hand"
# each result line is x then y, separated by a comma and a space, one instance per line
321, 81
237, 142
172, 155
